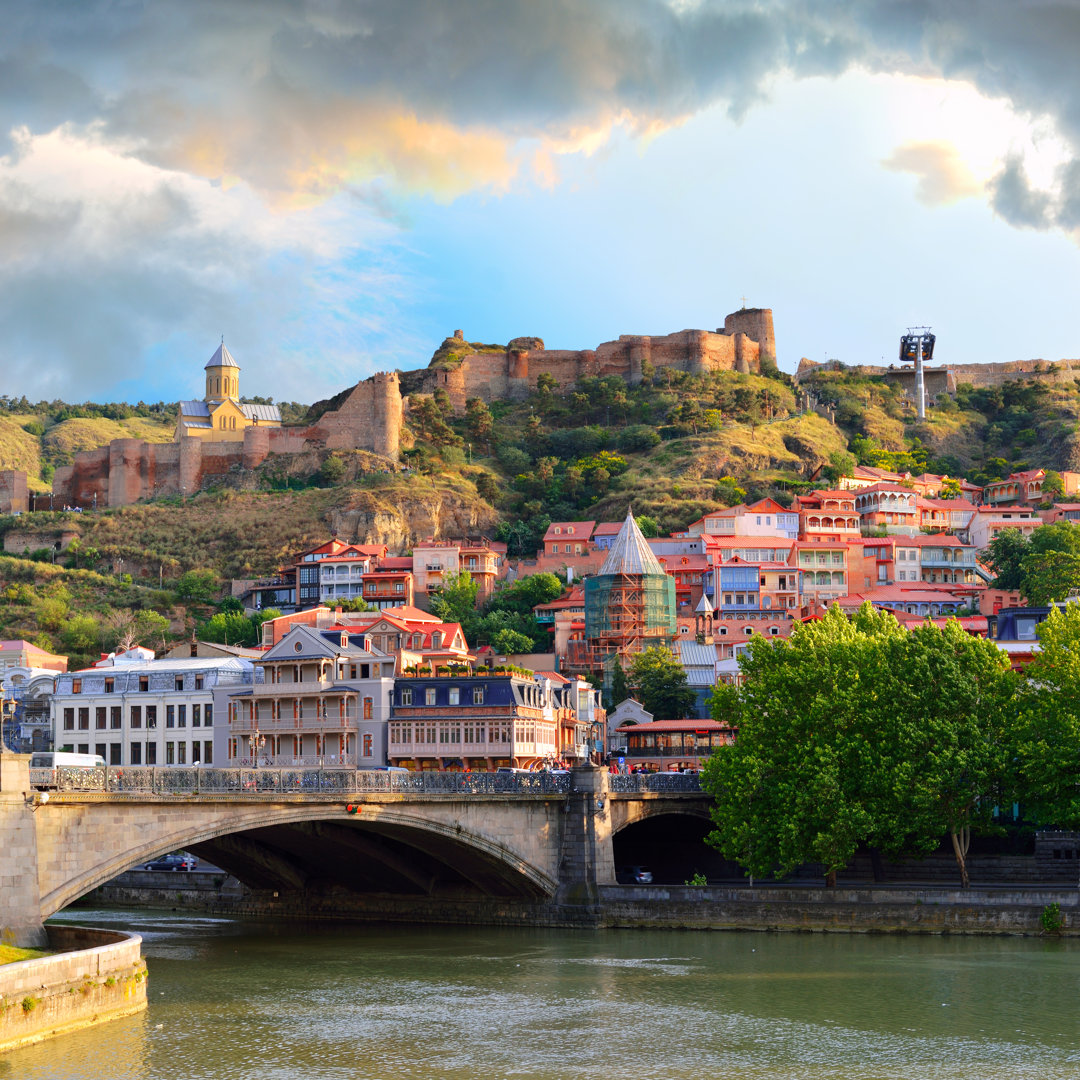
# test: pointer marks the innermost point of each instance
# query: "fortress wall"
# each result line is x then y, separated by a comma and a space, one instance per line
256, 445
14, 494
369, 418
1053, 372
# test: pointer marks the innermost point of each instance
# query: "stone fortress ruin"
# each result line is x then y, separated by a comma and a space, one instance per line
370, 415
745, 342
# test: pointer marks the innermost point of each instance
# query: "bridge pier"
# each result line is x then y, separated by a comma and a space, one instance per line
20, 895
587, 860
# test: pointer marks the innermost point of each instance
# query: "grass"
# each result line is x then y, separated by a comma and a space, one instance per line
11, 954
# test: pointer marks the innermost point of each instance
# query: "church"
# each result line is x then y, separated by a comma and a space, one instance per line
221, 416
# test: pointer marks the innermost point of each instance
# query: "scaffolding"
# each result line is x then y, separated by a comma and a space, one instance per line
628, 613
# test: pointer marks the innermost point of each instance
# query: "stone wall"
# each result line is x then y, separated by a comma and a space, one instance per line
129, 470
14, 496
945, 379
96, 975
746, 337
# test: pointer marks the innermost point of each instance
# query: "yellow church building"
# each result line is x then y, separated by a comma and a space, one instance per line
221, 416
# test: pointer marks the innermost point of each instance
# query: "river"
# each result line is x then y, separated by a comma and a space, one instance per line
248, 1000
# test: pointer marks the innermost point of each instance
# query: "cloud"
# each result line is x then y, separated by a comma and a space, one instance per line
106, 257
943, 177
176, 168
1013, 197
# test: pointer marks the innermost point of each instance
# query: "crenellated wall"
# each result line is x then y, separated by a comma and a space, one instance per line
746, 338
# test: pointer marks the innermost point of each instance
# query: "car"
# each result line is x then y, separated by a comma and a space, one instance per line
173, 862
634, 875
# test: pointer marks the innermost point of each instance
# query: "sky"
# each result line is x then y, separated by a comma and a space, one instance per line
334, 186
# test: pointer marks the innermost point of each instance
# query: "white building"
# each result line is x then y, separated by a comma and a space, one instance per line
144, 712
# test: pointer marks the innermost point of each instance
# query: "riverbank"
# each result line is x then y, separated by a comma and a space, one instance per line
90, 977
876, 909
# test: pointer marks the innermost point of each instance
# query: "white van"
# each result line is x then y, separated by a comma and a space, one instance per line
62, 760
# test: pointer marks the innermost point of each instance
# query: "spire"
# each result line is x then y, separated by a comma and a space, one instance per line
630, 553
222, 357
704, 607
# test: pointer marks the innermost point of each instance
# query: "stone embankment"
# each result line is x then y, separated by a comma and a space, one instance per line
93, 976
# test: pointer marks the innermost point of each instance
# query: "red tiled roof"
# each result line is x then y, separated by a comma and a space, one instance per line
579, 530
675, 725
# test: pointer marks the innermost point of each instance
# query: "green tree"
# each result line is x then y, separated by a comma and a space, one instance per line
659, 683
332, 470
511, 641
455, 599
620, 691
649, 526
858, 732
1053, 487
950, 489
1048, 740
200, 586
479, 422
1044, 566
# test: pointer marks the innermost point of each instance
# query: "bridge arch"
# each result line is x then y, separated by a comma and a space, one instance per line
668, 838
423, 850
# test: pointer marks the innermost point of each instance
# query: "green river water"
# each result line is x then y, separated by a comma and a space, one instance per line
267, 1001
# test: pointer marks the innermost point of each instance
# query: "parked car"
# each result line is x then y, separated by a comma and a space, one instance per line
173, 862
634, 875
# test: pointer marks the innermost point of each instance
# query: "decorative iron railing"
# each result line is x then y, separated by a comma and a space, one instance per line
658, 783
169, 780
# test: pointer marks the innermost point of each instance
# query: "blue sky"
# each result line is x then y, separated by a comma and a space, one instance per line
337, 186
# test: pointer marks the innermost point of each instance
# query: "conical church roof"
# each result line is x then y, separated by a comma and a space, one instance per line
222, 358
630, 554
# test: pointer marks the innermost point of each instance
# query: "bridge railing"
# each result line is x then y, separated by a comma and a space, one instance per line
176, 780
659, 783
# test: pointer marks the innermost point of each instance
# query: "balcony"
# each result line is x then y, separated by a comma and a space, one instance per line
310, 688
288, 725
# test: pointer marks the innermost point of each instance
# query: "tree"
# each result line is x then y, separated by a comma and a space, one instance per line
455, 599
659, 683
479, 422
1053, 487
950, 489
511, 641
649, 526
1048, 739
858, 732
1044, 566
201, 586
332, 470
619, 689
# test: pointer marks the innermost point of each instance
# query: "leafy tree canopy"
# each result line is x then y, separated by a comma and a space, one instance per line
659, 683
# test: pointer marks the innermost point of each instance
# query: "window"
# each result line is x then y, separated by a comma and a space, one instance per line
478, 695
369, 708
84, 719
196, 715
170, 753
181, 753
429, 696
99, 718
178, 682
199, 682
116, 754
151, 753
116, 718
208, 753
100, 749
368, 745
135, 753
110, 687
76, 686
406, 696
144, 683
151, 718
455, 695
170, 716
135, 719
181, 719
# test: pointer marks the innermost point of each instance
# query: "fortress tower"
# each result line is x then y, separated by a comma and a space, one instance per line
757, 325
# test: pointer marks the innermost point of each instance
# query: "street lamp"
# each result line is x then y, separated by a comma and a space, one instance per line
255, 742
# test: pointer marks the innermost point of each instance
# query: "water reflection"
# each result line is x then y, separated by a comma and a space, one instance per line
254, 1000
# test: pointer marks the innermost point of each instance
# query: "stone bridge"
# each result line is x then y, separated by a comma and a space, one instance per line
439, 846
